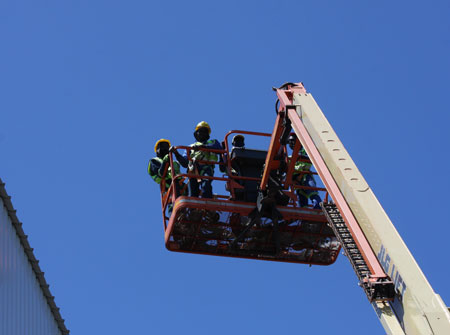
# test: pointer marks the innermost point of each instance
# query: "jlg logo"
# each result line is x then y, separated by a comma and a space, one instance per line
385, 261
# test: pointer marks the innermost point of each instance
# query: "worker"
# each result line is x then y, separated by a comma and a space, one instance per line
157, 165
304, 179
238, 142
202, 134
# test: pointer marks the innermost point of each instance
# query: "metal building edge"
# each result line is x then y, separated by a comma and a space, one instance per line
32, 259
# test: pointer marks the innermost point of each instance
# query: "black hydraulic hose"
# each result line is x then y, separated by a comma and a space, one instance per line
286, 84
280, 88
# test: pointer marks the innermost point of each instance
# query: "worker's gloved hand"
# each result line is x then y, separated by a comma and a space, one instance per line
196, 147
174, 151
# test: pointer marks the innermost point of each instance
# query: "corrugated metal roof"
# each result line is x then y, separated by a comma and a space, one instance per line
32, 259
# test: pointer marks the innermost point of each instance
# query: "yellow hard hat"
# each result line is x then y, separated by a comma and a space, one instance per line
203, 124
160, 141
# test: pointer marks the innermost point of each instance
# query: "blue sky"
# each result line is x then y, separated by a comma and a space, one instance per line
87, 87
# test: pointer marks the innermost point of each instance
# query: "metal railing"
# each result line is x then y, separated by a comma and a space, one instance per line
179, 187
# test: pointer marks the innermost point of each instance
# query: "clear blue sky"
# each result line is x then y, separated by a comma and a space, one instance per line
86, 87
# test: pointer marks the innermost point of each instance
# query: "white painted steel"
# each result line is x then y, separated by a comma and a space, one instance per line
417, 309
23, 307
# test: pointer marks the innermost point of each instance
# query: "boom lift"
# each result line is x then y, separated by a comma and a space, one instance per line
260, 218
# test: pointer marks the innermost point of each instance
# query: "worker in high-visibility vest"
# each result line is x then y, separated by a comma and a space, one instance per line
202, 135
304, 179
157, 165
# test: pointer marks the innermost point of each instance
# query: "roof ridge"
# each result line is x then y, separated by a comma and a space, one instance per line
31, 258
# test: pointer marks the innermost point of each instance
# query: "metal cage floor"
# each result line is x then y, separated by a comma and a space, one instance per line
206, 226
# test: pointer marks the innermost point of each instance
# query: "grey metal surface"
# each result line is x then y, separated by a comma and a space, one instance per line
26, 304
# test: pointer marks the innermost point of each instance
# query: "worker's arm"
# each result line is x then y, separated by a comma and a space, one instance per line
182, 159
223, 159
153, 167
163, 166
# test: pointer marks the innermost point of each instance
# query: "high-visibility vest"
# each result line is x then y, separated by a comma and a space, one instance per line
156, 177
299, 167
200, 155
302, 166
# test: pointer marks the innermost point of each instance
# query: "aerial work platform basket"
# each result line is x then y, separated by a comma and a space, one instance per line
230, 225
209, 226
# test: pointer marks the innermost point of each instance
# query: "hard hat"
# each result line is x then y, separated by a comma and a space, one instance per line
160, 141
203, 124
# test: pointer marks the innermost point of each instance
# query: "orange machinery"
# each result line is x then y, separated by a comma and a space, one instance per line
258, 216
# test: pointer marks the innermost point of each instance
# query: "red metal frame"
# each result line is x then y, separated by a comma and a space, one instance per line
168, 196
225, 204
286, 106
274, 149
244, 208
